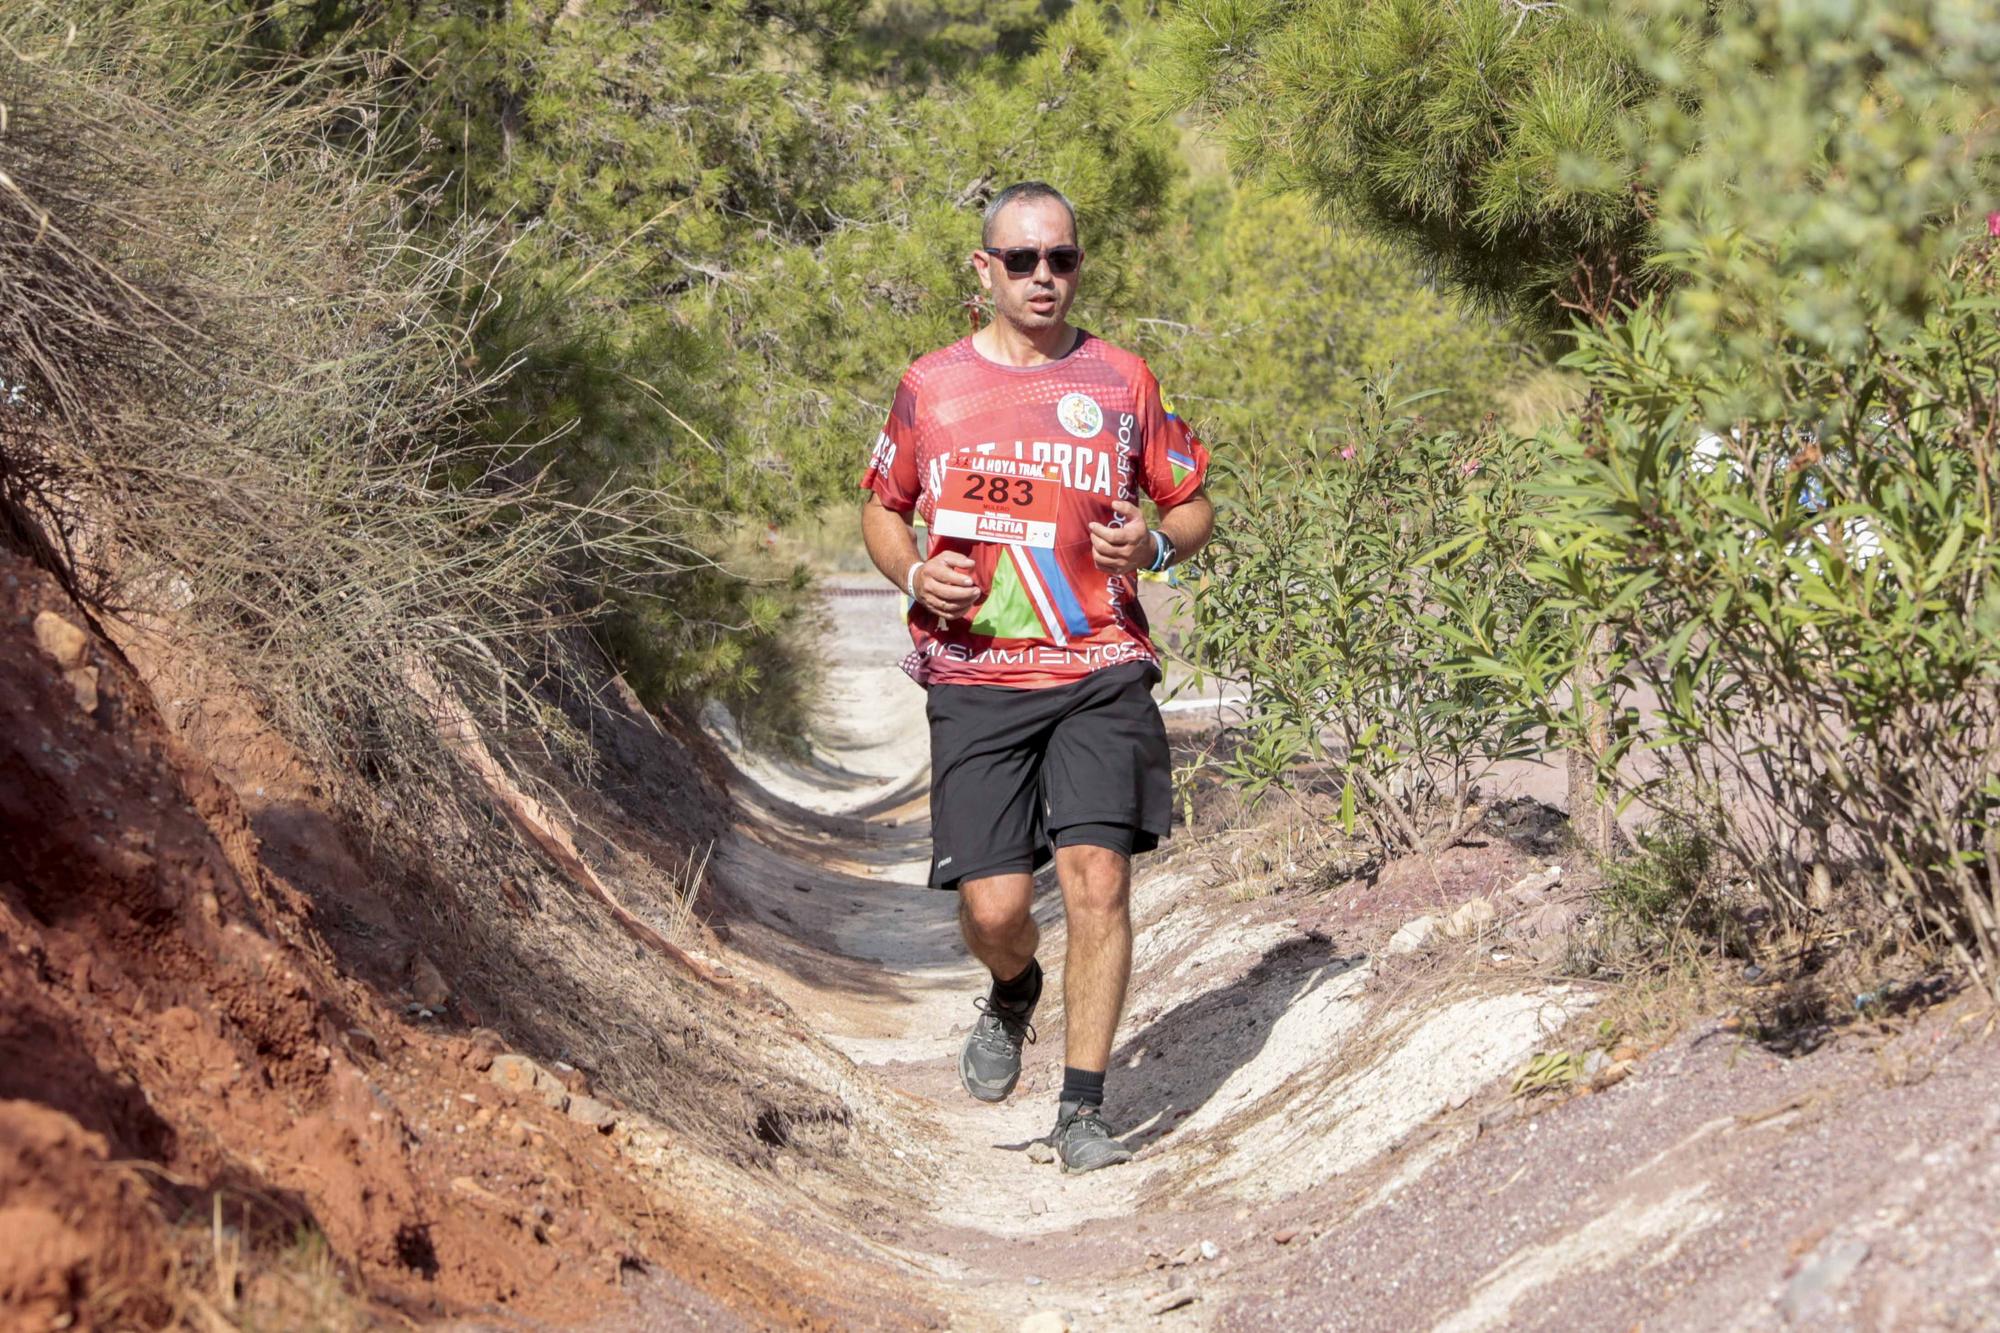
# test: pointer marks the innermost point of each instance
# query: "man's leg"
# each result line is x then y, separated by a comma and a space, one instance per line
993, 912
1097, 891
993, 915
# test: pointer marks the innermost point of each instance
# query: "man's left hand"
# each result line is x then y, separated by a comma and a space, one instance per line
1124, 549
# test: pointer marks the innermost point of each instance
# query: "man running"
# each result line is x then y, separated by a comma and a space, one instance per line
1025, 448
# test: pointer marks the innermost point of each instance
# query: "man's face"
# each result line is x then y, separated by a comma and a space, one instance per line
1041, 299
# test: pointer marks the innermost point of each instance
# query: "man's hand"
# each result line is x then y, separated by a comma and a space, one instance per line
945, 584
1124, 549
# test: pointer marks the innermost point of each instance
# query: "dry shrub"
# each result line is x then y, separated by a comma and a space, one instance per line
242, 392
241, 400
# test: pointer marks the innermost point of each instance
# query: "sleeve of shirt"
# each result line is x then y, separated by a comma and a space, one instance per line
892, 468
1174, 463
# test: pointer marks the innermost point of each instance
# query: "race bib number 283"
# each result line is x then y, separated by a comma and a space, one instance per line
999, 500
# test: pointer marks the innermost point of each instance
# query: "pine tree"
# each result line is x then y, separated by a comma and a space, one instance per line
1484, 134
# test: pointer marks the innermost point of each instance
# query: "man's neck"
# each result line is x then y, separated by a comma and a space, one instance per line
1011, 346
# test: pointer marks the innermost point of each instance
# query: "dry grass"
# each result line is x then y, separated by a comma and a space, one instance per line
245, 397
243, 402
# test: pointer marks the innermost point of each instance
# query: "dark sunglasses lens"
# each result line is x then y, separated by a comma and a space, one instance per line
1021, 261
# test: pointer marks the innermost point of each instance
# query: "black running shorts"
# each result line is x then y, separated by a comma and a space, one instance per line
1015, 771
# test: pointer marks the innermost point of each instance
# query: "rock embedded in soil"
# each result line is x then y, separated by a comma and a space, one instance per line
1470, 917
1414, 935
590, 1111
1530, 888
427, 984
60, 640
1045, 1321
1810, 1295
518, 1074
1172, 1300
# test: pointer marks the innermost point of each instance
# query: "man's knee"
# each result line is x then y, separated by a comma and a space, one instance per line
992, 914
1099, 885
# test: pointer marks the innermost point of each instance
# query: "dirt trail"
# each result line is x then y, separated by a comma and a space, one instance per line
1325, 1134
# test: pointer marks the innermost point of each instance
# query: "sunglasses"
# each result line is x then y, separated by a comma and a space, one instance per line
1021, 260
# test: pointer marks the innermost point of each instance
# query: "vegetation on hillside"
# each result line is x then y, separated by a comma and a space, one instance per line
1774, 512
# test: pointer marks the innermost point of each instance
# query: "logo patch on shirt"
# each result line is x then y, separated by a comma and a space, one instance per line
1080, 415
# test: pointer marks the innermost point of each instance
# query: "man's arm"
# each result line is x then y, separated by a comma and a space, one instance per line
1129, 547
944, 582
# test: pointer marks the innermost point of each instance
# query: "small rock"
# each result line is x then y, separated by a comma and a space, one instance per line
1414, 935
519, 1074
1172, 1300
1045, 1321
484, 1045
1625, 1053
1595, 1063
517, 1134
83, 681
427, 984
1210, 1251
1530, 888
1553, 920
1610, 1074
60, 640
1469, 918
1285, 1237
471, 1189
590, 1111
1041, 1151
1034, 1281
1811, 1292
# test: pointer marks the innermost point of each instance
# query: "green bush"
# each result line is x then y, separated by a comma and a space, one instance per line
1666, 885
1339, 589
1267, 317
1814, 604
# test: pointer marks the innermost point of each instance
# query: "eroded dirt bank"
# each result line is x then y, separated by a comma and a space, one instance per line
230, 1094
222, 1021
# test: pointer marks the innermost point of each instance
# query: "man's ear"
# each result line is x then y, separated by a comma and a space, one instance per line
981, 264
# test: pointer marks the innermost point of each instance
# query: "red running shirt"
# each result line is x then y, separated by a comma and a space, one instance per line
1046, 616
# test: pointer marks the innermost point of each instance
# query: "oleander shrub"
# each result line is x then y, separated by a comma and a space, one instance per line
1346, 577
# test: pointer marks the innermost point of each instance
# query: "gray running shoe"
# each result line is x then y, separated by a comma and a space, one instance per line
1083, 1141
990, 1064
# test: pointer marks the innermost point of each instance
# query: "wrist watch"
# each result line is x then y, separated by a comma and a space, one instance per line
1163, 551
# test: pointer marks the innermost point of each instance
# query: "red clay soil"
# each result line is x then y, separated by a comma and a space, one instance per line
173, 1029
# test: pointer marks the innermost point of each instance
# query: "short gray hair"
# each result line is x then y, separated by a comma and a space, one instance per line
1023, 192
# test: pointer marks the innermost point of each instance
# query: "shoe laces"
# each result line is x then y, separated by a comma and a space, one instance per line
1084, 1120
1012, 1024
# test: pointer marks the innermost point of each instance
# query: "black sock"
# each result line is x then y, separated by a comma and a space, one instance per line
1023, 991
1085, 1087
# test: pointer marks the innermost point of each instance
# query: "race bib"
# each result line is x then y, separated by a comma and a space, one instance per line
999, 500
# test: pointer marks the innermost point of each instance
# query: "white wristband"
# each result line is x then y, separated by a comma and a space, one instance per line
910, 580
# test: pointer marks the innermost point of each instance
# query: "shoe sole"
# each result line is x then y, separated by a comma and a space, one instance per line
1069, 1170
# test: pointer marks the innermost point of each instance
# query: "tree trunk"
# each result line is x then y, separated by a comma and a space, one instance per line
1590, 811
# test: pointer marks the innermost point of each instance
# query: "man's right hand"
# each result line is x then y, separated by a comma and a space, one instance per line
945, 584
